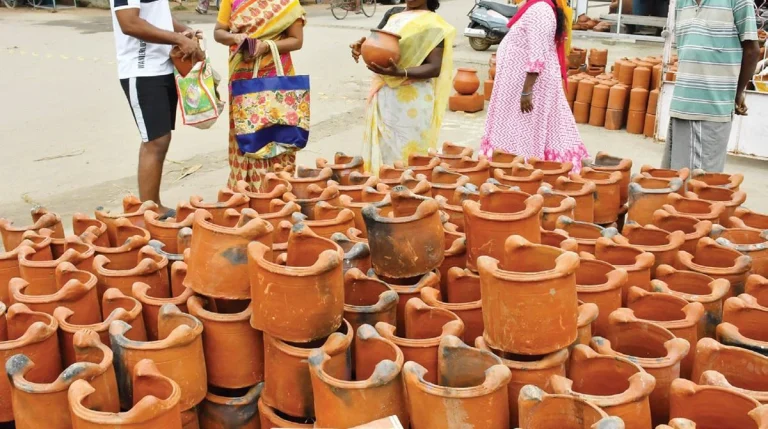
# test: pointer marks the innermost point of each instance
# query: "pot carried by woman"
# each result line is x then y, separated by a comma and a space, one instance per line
408, 98
528, 114
281, 21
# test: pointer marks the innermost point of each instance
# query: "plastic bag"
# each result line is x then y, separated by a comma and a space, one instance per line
198, 99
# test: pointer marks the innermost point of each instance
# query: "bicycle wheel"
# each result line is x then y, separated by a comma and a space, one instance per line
368, 7
339, 9
10, 4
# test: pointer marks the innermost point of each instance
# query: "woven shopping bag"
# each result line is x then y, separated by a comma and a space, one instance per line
271, 109
199, 104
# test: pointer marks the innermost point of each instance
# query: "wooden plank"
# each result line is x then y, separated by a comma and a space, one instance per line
650, 21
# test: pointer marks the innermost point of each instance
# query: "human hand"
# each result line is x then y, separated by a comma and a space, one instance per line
526, 103
741, 104
391, 70
356, 47
191, 34
238, 39
190, 49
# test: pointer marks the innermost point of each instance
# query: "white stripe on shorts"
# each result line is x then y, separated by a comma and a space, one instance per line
133, 94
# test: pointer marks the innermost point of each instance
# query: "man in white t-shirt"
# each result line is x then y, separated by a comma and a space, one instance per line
145, 31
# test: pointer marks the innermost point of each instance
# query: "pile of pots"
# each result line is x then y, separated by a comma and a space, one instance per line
446, 291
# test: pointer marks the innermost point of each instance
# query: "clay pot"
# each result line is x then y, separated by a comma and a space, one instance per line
471, 313
272, 418
151, 305
150, 268
407, 289
466, 81
455, 212
327, 220
600, 283
551, 169
156, 403
396, 250
662, 244
587, 316
130, 239
635, 261
703, 405
555, 205
9, 259
744, 218
614, 118
40, 271
12, 235
94, 365
652, 347
445, 182
302, 188
663, 173
694, 287
647, 195
217, 258
356, 254
584, 233
32, 334
424, 327
760, 414
452, 153
178, 354
504, 160
617, 97
614, 383
694, 207
477, 171
227, 338
746, 314
693, 228
719, 262
731, 367
598, 57
421, 164
357, 209
287, 383
381, 48
518, 289
271, 187
641, 78
524, 177
223, 408
730, 335
471, 380
167, 231
342, 167
133, 211
685, 320
608, 193
730, 198
723, 180
540, 410
581, 112
583, 192
584, 92
748, 242
499, 215
597, 116
337, 401
757, 286
368, 300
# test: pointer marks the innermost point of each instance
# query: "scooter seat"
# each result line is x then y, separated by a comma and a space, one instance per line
507, 11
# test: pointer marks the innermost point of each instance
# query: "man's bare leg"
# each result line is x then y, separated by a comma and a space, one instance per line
151, 159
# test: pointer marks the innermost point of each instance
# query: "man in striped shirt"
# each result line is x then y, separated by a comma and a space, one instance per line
718, 52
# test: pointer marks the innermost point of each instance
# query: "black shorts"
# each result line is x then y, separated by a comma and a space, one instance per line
153, 102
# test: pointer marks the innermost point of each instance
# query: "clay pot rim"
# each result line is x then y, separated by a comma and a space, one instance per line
741, 263
682, 173
624, 164
70, 255
533, 175
429, 296
61, 314
681, 386
146, 409
277, 191
140, 289
587, 187
636, 187
641, 384
565, 167
532, 393
395, 35
19, 365
387, 300
426, 209
496, 378
715, 209
675, 239
614, 279
467, 69
270, 415
587, 314
693, 311
36, 332
548, 361
677, 348
326, 261
371, 181
249, 398
255, 227
323, 176
718, 287
737, 197
566, 202
172, 257
461, 150
444, 205
303, 353
150, 262
12, 254
143, 207
70, 292
152, 220
344, 216
318, 358
718, 231
734, 180
453, 327
324, 194
356, 162
737, 220
716, 379
286, 210
349, 203
132, 243
533, 205
743, 302
612, 179
46, 220
480, 165
461, 179
707, 347
564, 223
181, 336
643, 260
730, 335
566, 264
701, 227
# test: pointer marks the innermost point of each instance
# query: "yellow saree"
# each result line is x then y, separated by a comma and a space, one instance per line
404, 116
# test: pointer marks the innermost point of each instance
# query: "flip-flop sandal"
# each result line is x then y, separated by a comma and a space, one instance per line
169, 214
200, 11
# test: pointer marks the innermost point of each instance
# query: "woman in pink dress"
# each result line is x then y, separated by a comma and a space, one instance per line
528, 114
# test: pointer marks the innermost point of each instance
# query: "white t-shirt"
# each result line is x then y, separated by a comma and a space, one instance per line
136, 57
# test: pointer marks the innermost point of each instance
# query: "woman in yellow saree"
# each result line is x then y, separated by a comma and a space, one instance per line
281, 21
408, 100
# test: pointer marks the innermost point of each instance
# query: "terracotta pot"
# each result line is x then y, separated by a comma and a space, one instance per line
649, 345
635, 261
678, 423
315, 193
407, 289
760, 414
731, 367
396, 251
724, 180
32, 334
748, 242
422, 164
600, 283
730, 335
667, 174
703, 405
584, 233
581, 112
518, 289
357, 209
608, 193
133, 211
685, 320
150, 268
614, 383
600, 96
76, 291
356, 254
224, 408
327, 220
342, 167
167, 231
151, 305
157, 402
757, 286
271, 187
693, 228
747, 315
573, 87
648, 194
131, 239
178, 354
626, 72
662, 244
617, 97
272, 418
471, 380
471, 313
551, 169
381, 48
614, 119
368, 300
354, 191
555, 205
585, 92
287, 383
466, 103
503, 160
540, 410
94, 365
553, 238
583, 192
466, 81
695, 287
499, 215
641, 78
477, 171
744, 218
455, 212
217, 258
337, 401
719, 262
9, 259
587, 316
730, 198
40, 271
653, 100
524, 177
13, 235
597, 116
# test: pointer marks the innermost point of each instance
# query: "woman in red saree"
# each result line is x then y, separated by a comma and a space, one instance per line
281, 21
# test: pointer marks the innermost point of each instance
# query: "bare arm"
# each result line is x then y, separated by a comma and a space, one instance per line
222, 35
133, 25
430, 68
749, 59
179, 27
526, 98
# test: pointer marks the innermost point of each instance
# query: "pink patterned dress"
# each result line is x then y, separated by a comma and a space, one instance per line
548, 132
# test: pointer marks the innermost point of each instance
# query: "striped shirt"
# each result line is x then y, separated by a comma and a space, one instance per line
709, 37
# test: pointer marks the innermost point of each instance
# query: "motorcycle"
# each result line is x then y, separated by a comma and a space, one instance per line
488, 23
